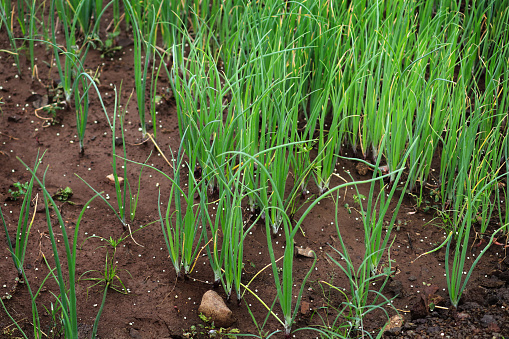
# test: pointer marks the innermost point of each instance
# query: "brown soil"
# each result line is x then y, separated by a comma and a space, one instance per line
159, 306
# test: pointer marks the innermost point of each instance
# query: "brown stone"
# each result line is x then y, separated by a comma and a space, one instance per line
304, 307
213, 307
395, 322
305, 252
362, 168
111, 179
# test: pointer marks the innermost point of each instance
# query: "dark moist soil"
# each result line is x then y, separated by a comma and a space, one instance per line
159, 306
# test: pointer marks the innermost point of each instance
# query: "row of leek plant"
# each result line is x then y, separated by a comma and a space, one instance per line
79, 22
194, 121
212, 120
83, 15
261, 128
428, 54
421, 73
426, 66
74, 80
66, 300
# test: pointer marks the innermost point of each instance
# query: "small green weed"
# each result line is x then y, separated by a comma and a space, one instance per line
109, 276
348, 208
109, 47
20, 190
208, 329
358, 198
51, 111
57, 92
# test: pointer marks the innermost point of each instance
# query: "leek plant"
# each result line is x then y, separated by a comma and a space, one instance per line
373, 216
67, 296
208, 121
360, 281
21, 16
84, 10
31, 32
74, 54
216, 248
456, 283
182, 226
6, 23
25, 223
228, 227
477, 163
285, 130
325, 116
123, 199
81, 103
502, 193
72, 51
233, 235
224, 232
140, 44
329, 142
284, 285
122, 189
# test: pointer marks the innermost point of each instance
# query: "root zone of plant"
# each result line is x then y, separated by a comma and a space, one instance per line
160, 306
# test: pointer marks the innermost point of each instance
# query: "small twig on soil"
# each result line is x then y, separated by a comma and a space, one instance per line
198, 255
141, 143
346, 188
410, 242
36, 198
131, 234
5, 330
155, 144
9, 136
254, 277
113, 20
35, 73
167, 295
202, 281
495, 241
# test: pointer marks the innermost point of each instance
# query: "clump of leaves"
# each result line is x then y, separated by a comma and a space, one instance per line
20, 190
212, 331
57, 92
358, 198
109, 46
190, 333
63, 194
